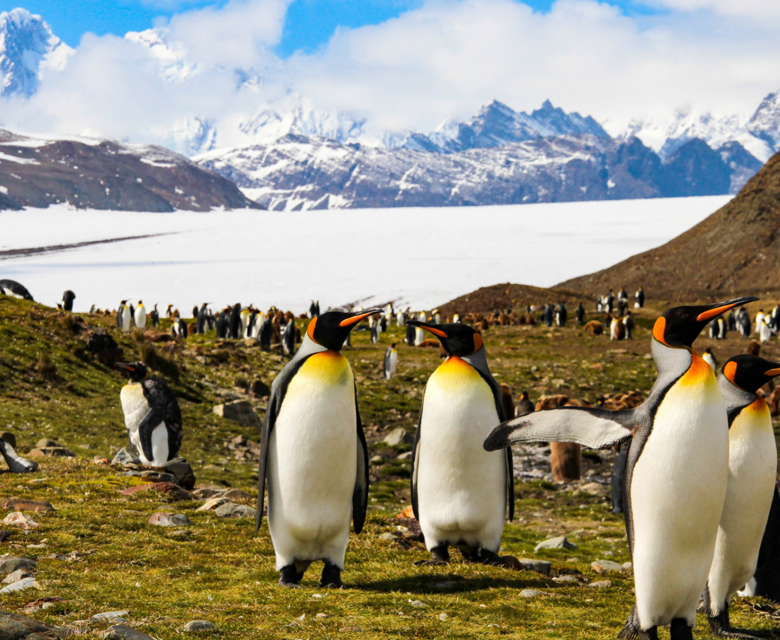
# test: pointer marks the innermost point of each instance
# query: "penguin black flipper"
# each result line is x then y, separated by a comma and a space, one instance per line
159, 394
415, 447
146, 428
592, 428
278, 391
360, 494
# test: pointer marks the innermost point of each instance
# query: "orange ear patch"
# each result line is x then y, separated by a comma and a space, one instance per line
310, 330
730, 371
477, 342
659, 328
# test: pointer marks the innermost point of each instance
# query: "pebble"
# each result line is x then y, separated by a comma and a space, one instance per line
540, 566
388, 537
321, 616
377, 460
562, 579
198, 625
603, 566
163, 519
530, 593
407, 455
16, 575
171, 490
233, 510
237, 495
19, 519
628, 566
397, 437
212, 503
573, 560
418, 604
601, 584
443, 616
205, 491
20, 585
108, 616
123, 632
556, 543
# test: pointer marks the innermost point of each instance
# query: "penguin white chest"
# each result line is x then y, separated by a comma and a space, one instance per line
677, 491
460, 486
312, 463
134, 406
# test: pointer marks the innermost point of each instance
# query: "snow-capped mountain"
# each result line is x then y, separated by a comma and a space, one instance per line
28, 47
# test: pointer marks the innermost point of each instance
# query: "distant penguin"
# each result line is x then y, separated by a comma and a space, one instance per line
561, 315
548, 315
579, 314
391, 361
314, 457
375, 330
524, 405
266, 333
436, 316
222, 325
312, 310
183, 330
234, 322
245, 317
419, 334
152, 415
759, 320
400, 319
640, 298
123, 316
154, 317
410, 334
628, 323
461, 494
169, 311
764, 331
203, 317
751, 486
288, 338
195, 312
714, 330
92, 309
710, 359
14, 289
383, 324
67, 300
455, 318
676, 474
732, 321
140, 315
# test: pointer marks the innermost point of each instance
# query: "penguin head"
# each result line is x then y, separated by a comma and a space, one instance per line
330, 329
750, 372
457, 339
678, 327
136, 371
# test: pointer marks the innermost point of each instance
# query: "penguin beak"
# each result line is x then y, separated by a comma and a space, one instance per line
772, 372
714, 310
125, 365
351, 322
428, 327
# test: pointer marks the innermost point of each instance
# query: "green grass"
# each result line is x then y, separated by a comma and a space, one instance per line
222, 572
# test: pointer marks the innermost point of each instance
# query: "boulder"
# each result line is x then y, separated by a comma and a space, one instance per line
126, 456
21, 585
163, 519
16, 627
14, 563
123, 632
241, 412
540, 566
555, 543
182, 471
398, 437
604, 566
18, 519
233, 510
260, 389
20, 504
198, 625
172, 491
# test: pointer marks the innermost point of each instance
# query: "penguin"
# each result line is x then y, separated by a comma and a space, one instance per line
152, 415
169, 311
154, 317
266, 333
140, 315
181, 327
202, 318
614, 329
92, 309
123, 316
234, 322
400, 319
628, 323
388, 314
288, 338
211, 321
314, 456
410, 333
759, 320
391, 361
676, 472
419, 334
222, 324
375, 331
456, 318
460, 493
710, 359
383, 324
548, 315
579, 314
436, 316
640, 298
732, 321
524, 405
312, 310
764, 331
561, 315
245, 316
751, 486
15, 290
67, 300
15, 462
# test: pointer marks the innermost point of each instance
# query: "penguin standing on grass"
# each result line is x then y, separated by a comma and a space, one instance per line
67, 300
676, 473
751, 487
710, 359
314, 455
123, 316
288, 338
154, 317
140, 315
460, 493
391, 361
234, 322
152, 415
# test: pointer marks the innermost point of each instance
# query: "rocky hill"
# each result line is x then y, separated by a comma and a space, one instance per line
736, 250
100, 174
499, 297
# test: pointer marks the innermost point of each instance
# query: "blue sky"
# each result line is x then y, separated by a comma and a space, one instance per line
308, 25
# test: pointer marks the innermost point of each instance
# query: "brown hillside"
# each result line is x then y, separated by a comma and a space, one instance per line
736, 250
511, 296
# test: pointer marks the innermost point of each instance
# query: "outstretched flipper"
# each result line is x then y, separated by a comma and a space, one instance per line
15, 462
592, 428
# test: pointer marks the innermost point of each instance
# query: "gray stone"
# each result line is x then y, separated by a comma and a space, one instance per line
197, 625
205, 491
530, 593
398, 437
44, 443
601, 584
183, 472
627, 566
233, 510
126, 456
377, 460
212, 503
163, 519
418, 604
604, 566
20, 585
406, 455
123, 632
16, 575
241, 412
565, 579
237, 495
51, 452
108, 616
388, 537
556, 543
16, 627
14, 563
540, 566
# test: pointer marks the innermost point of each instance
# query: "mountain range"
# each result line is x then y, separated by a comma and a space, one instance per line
289, 154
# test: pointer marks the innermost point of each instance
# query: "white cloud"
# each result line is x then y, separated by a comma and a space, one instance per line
748, 8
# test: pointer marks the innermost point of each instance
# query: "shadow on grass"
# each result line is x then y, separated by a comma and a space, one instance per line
448, 583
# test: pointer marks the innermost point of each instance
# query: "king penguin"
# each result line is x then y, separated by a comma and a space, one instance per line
314, 455
152, 415
140, 315
123, 316
676, 472
288, 337
751, 486
67, 300
710, 359
391, 361
460, 493
154, 316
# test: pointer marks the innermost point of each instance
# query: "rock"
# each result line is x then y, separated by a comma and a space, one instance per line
260, 389
109, 616
45, 443
126, 456
321, 616
19, 519
123, 632
162, 519
183, 472
151, 476
51, 452
21, 585
241, 412
595, 488
9, 437
233, 510
418, 604
19, 504
16, 627
388, 537
212, 503
556, 543
16, 575
204, 491
443, 616
565, 579
397, 437
540, 566
4, 535
376, 460
237, 495
627, 566
197, 625
575, 559
530, 593
14, 563
172, 491
603, 566
601, 584
406, 455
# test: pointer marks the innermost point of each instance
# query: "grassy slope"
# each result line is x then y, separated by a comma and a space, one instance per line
224, 573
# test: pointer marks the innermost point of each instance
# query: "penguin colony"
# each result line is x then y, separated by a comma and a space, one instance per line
700, 454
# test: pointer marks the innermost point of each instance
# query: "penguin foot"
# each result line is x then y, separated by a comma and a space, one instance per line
290, 577
680, 630
331, 577
633, 631
439, 556
721, 627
